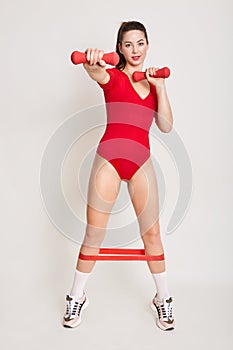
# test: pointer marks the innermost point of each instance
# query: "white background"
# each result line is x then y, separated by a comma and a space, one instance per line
40, 89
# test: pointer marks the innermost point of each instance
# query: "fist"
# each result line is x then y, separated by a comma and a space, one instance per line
151, 77
94, 56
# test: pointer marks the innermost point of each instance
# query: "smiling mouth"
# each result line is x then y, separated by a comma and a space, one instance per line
135, 58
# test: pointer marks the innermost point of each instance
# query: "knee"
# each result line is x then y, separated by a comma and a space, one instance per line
93, 236
152, 235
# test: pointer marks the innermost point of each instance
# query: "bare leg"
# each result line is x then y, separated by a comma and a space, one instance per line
103, 189
143, 191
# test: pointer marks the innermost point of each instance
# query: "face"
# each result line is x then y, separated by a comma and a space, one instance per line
134, 47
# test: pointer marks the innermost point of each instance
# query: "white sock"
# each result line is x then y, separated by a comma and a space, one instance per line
80, 279
161, 284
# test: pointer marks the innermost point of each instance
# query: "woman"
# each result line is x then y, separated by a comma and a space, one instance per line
123, 153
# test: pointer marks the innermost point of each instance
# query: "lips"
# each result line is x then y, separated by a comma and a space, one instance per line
135, 58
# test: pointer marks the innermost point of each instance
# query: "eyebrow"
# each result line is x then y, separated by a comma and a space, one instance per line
131, 41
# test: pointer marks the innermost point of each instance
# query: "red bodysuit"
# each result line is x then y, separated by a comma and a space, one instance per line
125, 142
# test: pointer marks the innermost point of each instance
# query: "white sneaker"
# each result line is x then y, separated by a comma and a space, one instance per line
164, 313
74, 308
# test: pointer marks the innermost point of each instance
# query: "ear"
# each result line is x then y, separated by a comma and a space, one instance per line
119, 47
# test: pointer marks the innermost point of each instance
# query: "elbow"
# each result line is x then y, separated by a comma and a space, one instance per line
168, 128
164, 125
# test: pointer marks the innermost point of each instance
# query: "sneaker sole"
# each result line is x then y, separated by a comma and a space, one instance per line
153, 307
77, 323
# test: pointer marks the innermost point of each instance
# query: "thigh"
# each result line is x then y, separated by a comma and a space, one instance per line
103, 189
143, 190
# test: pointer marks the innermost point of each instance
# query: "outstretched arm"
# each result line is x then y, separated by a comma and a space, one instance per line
95, 66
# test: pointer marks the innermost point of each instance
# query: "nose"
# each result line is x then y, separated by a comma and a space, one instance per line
134, 48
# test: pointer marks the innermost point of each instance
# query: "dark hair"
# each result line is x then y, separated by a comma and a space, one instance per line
126, 27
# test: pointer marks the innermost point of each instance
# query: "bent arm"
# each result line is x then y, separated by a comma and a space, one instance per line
164, 118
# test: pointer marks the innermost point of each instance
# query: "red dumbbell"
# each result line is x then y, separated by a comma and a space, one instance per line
160, 73
111, 58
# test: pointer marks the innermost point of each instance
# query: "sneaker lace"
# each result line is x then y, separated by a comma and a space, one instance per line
167, 311
70, 311
68, 308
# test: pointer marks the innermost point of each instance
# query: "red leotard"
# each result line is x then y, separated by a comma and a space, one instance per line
125, 142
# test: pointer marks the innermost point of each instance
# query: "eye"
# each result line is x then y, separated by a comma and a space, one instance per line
127, 45
141, 43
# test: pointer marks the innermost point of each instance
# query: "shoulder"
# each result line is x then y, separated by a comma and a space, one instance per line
114, 74
154, 95
153, 89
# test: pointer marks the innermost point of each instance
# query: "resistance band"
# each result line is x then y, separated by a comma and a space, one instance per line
121, 254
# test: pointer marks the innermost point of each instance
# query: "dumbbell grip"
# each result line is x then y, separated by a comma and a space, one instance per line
78, 57
160, 73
